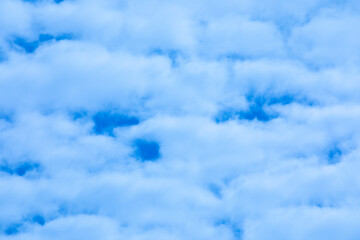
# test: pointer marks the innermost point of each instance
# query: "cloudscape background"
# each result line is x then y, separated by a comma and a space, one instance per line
169, 120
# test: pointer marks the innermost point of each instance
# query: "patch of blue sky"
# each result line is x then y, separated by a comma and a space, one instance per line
27, 46
7, 117
269, 98
25, 167
286, 99
30, 46
38, 219
67, 208
18, 227
172, 54
35, 1
6, 169
235, 229
235, 57
254, 112
3, 56
12, 229
215, 190
146, 150
259, 107
105, 122
334, 155
225, 115
78, 115
20, 169
316, 203
283, 100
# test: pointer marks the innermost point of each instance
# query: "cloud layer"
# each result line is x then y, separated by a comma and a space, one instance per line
179, 120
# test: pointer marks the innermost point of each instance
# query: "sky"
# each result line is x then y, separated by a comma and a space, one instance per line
171, 120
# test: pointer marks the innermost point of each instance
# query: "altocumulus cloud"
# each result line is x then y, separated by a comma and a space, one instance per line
185, 119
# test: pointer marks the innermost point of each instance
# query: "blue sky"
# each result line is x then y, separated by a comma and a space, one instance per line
169, 120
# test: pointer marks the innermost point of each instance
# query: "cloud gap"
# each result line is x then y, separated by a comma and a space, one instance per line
28, 46
38, 219
36, 1
18, 227
235, 229
172, 54
334, 155
215, 190
106, 121
13, 229
146, 150
260, 107
20, 169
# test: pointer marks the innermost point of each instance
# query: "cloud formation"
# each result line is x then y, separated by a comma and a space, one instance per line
179, 120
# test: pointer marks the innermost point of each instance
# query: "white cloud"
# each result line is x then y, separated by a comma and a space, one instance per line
251, 109
329, 39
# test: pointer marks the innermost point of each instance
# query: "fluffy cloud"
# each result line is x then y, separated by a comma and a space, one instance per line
179, 120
